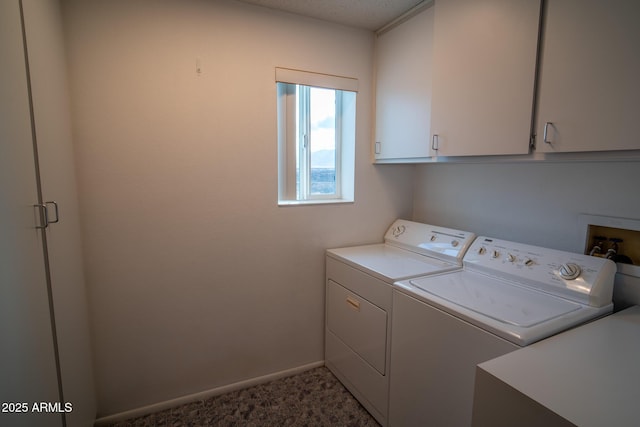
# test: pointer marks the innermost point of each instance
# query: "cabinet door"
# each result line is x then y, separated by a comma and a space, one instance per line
484, 76
403, 89
27, 362
589, 73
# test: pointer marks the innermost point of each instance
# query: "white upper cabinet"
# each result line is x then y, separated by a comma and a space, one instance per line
484, 68
589, 77
403, 90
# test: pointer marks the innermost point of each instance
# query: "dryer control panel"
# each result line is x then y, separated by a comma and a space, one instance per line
581, 278
442, 243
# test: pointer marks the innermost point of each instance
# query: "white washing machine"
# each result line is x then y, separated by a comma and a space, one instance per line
508, 295
359, 300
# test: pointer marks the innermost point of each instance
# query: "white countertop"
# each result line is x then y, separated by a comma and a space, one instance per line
590, 375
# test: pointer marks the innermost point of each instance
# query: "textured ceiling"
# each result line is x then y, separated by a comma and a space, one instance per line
368, 14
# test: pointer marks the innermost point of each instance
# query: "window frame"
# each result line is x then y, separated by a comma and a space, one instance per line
304, 151
290, 109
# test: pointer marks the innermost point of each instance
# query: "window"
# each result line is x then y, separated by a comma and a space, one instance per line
316, 137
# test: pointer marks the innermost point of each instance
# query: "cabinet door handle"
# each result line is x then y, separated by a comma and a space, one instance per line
545, 133
44, 216
354, 303
435, 142
55, 205
377, 149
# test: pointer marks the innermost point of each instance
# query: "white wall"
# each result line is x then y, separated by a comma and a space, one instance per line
535, 203
197, 279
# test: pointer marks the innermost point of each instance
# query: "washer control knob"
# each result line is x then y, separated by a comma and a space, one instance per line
511, 257
454, 243
528, 262
569, 271
482, 250
433, 238
495, 254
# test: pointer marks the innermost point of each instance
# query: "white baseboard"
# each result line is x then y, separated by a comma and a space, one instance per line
161, 406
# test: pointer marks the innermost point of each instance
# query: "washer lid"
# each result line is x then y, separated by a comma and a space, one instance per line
390, 263
496, 299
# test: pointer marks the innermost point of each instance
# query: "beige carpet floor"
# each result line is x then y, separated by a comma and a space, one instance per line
312, 398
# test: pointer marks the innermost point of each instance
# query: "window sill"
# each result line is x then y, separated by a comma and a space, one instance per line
313, 202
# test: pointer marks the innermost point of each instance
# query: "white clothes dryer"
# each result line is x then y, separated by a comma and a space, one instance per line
359, 301
508, 295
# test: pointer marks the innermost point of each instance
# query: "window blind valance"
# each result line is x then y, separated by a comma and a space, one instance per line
307, 78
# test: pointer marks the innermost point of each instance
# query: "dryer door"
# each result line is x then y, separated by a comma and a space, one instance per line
358, 323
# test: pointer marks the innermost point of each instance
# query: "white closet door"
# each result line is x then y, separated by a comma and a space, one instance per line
27, 362
483, 76
589, 73
47, 60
